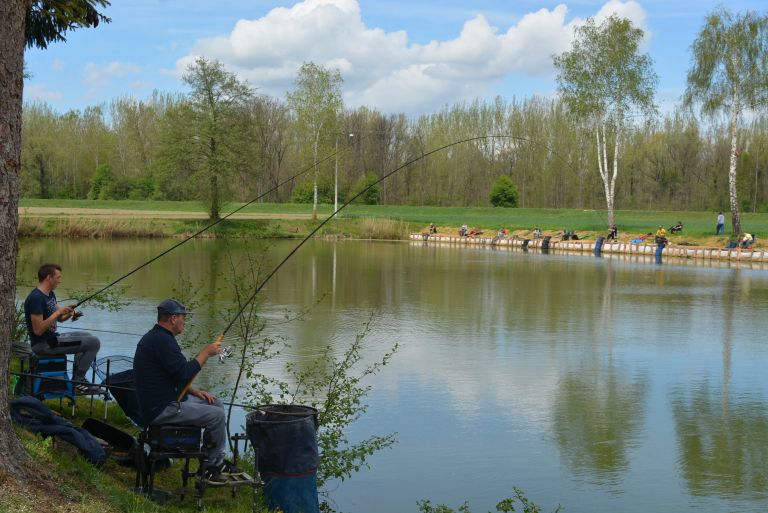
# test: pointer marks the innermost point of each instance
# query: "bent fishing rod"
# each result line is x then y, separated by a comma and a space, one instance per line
220, 338
208, 227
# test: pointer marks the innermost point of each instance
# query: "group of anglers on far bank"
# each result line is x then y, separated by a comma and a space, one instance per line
660, 236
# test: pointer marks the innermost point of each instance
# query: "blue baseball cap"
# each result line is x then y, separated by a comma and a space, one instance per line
173, 307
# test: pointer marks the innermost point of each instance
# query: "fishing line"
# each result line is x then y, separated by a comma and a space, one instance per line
352, 199
220, 338
118, 280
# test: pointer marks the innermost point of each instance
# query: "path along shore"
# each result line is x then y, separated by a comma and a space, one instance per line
699, 253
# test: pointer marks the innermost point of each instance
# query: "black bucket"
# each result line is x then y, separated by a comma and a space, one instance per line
286, 439
545, 243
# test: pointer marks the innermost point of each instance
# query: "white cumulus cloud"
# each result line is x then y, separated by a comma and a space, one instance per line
383, 69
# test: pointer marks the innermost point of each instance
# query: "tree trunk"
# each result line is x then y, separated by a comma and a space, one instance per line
314, 161
215, 207
12, 15
602, 161
735, 217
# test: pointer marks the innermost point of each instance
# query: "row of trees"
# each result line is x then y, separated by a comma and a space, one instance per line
164, 147
223, 141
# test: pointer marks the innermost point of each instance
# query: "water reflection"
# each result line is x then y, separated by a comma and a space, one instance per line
599, 413
553, 373
723, 442
600, 409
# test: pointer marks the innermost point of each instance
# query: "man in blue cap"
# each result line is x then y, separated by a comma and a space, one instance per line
162, 372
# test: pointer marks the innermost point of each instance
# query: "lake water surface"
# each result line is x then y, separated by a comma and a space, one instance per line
614, 385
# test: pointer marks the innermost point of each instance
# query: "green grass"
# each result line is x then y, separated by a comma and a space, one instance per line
75, 486
697, 224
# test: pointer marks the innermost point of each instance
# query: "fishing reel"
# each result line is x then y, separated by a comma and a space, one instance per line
226, 352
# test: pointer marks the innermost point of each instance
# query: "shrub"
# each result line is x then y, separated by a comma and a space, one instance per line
504, 193
371, 196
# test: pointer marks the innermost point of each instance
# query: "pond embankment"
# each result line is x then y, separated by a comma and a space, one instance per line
703, 254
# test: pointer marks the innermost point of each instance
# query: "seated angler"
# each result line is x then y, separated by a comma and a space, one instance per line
162, 373
613, 232
42, 314
677, 228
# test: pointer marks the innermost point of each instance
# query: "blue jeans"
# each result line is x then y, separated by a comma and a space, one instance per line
720, 229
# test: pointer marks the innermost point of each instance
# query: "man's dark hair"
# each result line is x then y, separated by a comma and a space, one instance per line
47, 270
162, 315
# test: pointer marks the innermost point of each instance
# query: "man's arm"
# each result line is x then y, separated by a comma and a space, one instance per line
40, 325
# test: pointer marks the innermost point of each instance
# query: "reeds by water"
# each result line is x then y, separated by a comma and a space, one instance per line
85, 228
388, 229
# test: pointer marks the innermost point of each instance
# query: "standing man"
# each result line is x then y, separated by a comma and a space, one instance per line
42, 313
162, 372
720, 224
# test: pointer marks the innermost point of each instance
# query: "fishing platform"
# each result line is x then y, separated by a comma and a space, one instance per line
588, 246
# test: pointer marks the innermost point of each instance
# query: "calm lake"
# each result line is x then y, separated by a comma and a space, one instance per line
611, 384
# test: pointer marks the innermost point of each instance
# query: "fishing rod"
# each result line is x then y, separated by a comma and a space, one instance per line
220, 338
208, 227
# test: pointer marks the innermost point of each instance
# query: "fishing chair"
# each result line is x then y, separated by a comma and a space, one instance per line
157, 445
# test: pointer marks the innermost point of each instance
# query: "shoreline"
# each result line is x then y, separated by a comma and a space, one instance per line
697, 253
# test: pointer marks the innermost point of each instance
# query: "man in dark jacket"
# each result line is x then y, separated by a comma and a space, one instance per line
162, 372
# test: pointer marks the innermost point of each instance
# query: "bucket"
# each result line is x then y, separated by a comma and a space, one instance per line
599, 246
286, 439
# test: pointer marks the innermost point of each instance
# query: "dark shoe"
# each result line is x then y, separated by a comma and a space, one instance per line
84, 387
230, 469
214, 477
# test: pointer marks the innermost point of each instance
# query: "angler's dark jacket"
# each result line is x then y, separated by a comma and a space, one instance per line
33, 415
161, 372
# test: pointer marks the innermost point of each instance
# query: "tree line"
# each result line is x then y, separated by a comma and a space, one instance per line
147, 149
224, 141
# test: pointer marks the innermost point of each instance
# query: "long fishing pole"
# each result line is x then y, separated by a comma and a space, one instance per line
208, 227
220, 338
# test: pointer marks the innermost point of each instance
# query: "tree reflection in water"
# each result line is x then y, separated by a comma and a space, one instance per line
599, 410
598, 417
723, 450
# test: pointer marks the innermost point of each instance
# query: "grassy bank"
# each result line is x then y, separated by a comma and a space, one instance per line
358, 221
84, 227
65, 482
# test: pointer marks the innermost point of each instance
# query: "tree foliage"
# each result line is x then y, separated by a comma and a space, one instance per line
208, 135
504, 193
317, 105
729, 74
604, 79
50, 20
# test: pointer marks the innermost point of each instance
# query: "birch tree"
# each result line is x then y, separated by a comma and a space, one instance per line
605, 80
730, 65
317, 104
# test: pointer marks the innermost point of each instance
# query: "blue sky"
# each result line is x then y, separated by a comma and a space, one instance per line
396, 56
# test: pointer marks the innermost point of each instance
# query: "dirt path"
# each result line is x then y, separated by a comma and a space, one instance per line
97, 213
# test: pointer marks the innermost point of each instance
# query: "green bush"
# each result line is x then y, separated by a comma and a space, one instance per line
504, 193
369, 197
304, 192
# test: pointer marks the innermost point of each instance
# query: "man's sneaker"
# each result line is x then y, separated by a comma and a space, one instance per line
214, 477
228, 468
84, 387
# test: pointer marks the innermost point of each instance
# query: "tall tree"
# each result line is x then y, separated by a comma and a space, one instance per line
18, 26
729, 73
317, 104
603, 79
211, 135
